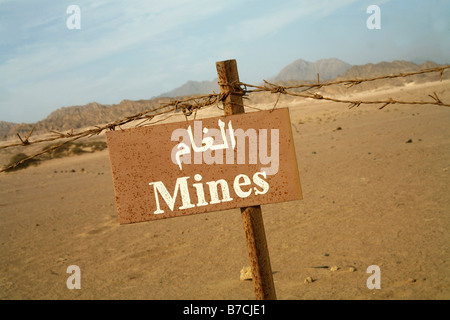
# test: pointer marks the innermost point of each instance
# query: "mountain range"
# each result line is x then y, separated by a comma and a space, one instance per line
94, 113
304, 70
193, 87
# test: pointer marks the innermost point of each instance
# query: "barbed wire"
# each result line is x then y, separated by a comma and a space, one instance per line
352, 103
191, 105
347, 82
186, 106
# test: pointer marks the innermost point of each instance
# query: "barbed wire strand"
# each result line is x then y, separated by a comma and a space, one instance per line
347, 82
191, 105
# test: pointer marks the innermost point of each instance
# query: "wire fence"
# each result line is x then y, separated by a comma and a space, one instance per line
191, 105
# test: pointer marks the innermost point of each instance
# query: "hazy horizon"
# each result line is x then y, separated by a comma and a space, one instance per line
142, 49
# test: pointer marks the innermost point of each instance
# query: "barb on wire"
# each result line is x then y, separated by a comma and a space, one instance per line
25, 141
436, 98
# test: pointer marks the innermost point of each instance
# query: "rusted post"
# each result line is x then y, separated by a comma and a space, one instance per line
251, 216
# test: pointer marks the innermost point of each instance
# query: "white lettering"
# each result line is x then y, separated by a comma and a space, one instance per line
237, 186
211, 311
214, 192
374, 281
252, 144
182, 188
170, 200
208, 145
274, 159
200, 192
260, 183
374, 21
177, 156
73, 21
74, 281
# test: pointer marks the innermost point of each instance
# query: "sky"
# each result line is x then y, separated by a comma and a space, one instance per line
138, 49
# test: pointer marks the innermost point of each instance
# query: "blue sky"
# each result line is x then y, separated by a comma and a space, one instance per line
138, 49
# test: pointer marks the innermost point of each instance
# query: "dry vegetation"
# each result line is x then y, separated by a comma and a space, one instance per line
67, 150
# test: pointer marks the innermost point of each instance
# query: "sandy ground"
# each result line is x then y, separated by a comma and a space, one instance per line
370, 198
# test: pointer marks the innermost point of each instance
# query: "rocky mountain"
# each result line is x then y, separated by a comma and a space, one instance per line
193, 87
305, 70
75, 117
370, 70
385, 68
5, 127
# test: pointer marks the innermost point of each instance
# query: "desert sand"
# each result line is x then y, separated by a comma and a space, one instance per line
375, 192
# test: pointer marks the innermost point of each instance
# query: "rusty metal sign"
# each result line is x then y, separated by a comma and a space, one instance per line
198, 166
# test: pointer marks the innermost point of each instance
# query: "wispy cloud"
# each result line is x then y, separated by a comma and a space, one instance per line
44, 51
107, 29
284, 14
